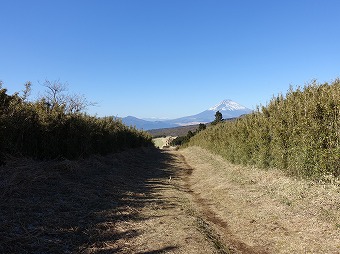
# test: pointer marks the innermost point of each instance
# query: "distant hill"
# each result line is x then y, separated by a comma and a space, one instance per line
180, 130
228, 108
175, 132
146, 125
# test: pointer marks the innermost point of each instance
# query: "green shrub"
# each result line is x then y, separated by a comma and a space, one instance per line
298, 133
39, 130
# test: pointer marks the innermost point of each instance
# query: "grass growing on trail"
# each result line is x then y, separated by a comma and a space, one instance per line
298, 133
266, 209
120, 203
159, 142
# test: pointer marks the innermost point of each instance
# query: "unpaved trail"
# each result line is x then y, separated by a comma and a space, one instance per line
170, 221
131, 202
257, 211
161, 201
212, 206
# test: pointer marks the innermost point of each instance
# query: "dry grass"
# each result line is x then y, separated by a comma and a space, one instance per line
267, 209
72, 206
122, 203
163, 143
126, 203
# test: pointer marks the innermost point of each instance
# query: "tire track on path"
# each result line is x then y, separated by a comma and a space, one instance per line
216, 228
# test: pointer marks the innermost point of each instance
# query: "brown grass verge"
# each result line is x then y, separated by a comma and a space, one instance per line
267, 209
127, 203
73, 206
121, 203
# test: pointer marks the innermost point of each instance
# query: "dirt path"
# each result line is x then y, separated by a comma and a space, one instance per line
211, 206
158, 201
219, 226
131, 202
168, 223
257, 211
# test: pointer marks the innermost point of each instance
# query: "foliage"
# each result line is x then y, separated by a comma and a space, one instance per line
55, 126
201, 127
298, 133
185, 139
218, 118
179, 141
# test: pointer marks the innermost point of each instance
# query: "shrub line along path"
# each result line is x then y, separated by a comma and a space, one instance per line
159, 201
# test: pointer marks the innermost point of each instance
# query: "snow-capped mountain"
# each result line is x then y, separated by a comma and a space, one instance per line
227, 105
228, 108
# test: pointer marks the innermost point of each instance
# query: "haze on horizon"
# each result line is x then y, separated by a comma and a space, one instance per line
168, 59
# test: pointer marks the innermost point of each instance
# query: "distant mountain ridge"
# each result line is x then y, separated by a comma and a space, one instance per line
228, 108
146, 125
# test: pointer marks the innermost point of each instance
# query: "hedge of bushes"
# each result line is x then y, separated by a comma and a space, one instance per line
298, 133
39, 130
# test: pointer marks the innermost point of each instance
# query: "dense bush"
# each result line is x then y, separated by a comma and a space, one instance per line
179, 141
44, 130
299, 133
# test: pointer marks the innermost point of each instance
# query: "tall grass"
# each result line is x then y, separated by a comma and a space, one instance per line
298, 133
36, 129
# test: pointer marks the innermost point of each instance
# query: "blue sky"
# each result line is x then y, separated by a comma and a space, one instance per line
169, 58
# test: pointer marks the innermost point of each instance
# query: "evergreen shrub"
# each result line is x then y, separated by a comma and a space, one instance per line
39, 130
298, 133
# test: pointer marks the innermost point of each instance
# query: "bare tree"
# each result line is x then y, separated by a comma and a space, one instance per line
55, 93
77, 103
56, 96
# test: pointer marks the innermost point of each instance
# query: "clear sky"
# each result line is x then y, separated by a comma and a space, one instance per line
169, 58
